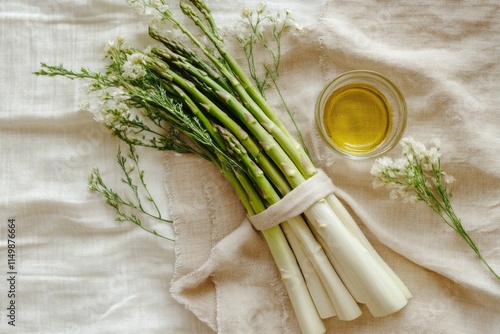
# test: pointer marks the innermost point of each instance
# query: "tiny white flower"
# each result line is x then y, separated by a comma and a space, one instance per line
447, 178
136, 4
88, 88
404, 192
378, 183
246, 12
393, 194
297, 27
261, 7
426, 167
163, 8
436, 143
133, 69
84, 107
377, 168
390, 184
100, 115
119, 95
110, 47
123, 110
137, 58
407, 143
413, 199
433, 154
391, 173
400, 164
159, 5
419, 150
386, 162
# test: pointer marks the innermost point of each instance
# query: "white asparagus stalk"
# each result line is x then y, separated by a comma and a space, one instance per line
383, 296
345, 306
305, 310
352, 227
314, 284
352, 283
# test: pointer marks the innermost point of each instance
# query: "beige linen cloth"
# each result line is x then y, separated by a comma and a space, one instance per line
445, 58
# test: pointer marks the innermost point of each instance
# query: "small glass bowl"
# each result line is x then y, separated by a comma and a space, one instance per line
397, 112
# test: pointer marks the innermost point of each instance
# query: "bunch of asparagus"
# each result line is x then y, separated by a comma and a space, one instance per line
197, 99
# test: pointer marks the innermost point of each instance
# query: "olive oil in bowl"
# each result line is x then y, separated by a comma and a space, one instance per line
357, 118
361, 114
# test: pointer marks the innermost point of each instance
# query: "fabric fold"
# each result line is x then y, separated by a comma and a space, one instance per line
229, 281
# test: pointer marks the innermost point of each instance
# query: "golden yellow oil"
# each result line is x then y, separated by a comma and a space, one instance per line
357, 118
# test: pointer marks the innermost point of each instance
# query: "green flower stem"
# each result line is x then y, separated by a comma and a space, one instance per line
457, 226
270, 71
419, 171
115, 200
441, 204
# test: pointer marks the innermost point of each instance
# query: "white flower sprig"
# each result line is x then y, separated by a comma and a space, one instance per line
418, 177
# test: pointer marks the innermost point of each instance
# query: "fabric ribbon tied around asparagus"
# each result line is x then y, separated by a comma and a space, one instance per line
295, 202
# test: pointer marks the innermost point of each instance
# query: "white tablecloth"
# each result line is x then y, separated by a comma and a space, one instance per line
79, 271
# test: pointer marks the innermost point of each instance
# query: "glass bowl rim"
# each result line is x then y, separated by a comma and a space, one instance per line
398, 128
